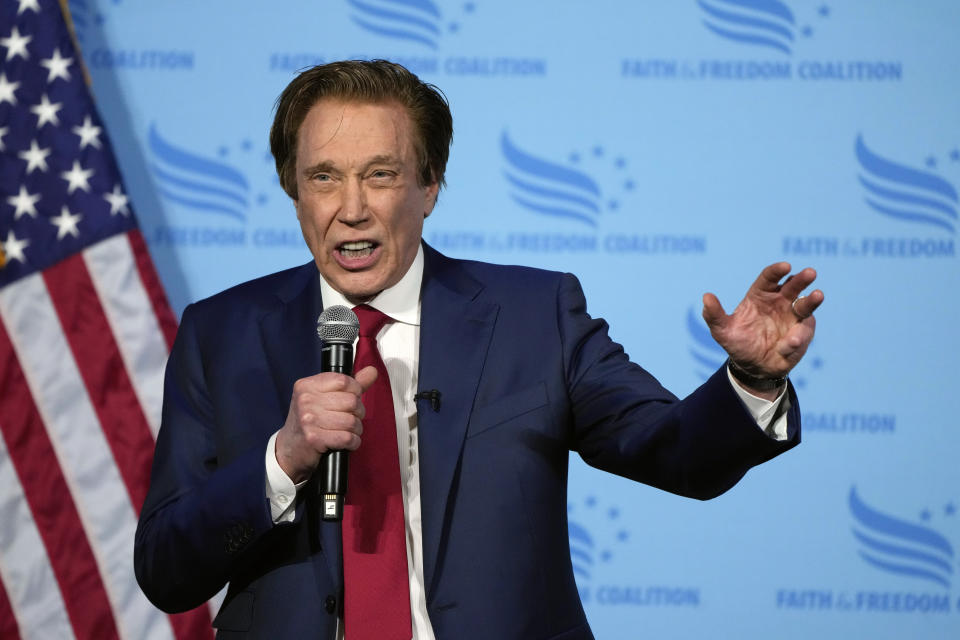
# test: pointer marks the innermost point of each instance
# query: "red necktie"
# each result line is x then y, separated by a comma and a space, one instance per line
377, 588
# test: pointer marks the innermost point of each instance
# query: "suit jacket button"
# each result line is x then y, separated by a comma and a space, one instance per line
330, 604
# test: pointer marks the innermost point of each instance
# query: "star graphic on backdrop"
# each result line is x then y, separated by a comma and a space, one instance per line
46, 111
824, 11
925, 515
950, 509
591, 501
807, 31
931, 162
88, 133
7, 90
56, 66
77, 178
66, 223
613, 512
955, 155
13, 248
24, 203
35, 156
16, 44
598, 151
28, 4
3, 131
118, 201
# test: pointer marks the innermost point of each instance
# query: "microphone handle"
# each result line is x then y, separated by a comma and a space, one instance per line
335, 357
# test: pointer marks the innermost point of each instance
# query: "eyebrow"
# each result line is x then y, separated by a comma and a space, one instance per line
325, 166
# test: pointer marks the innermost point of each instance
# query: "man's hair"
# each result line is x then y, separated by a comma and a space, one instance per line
363, 81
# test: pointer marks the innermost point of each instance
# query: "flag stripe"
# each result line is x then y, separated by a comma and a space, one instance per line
35, 599
80, 446
151, 282
8, 624
96, 353
132, 322
55, 515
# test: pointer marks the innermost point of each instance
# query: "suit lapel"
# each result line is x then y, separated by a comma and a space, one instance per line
455, 333
289, 336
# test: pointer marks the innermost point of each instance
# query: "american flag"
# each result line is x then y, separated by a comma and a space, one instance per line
85, 330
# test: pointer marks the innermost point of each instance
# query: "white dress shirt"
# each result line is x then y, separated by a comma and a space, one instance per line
399, 345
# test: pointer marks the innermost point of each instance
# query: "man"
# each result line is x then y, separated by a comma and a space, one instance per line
518, 376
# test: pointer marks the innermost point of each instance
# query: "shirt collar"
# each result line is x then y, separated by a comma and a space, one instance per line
401, 301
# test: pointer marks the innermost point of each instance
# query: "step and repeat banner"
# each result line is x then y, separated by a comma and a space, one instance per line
658, 150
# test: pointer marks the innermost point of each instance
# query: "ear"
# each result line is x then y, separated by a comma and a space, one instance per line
430, 198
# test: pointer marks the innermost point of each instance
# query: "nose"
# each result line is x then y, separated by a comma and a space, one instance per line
353, 208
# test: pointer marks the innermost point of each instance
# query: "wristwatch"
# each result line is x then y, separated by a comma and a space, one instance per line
760, 384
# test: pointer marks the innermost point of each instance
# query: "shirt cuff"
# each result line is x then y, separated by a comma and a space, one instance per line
281, 492
771, 417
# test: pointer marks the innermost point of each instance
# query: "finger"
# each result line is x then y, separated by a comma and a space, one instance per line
794, 344
806, 305
769, 279
366, 377
713, 313
797, 283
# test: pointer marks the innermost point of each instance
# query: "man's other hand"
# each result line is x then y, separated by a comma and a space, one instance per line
771, 328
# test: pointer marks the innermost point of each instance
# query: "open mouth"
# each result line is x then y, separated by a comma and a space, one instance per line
356, 250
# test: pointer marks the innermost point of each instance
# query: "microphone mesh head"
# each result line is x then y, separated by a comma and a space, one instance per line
338, 324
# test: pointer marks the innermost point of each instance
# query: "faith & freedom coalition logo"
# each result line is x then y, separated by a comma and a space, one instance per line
900, 195
770, 41
212, 197
569, 205
911, 552
89, 17
597, 536
419, 34
707, 356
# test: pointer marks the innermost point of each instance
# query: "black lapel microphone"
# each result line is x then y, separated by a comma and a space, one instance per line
338, 328
433, 395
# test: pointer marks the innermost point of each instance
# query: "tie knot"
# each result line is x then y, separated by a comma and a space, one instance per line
371, 320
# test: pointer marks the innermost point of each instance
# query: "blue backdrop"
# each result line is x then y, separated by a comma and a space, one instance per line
657, 150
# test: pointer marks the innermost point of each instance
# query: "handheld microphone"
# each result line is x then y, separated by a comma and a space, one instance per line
338, 328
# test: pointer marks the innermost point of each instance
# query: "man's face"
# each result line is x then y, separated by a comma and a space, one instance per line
360, 206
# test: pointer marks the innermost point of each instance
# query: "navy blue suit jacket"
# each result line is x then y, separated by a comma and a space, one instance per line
526, 377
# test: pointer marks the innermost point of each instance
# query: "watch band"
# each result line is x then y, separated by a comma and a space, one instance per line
760, 384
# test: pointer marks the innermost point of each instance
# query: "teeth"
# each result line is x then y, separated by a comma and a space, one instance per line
359, 249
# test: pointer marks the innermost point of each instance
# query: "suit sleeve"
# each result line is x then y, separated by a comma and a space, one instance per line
625, 422
201, 514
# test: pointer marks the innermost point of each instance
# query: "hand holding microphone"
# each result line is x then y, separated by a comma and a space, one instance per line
325, 409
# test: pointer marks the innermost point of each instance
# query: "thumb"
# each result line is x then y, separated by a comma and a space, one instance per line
366, 376
713, 313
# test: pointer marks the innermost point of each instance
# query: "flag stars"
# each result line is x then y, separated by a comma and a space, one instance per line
925, 515
950, 509
16, 45
28, 4
89, 134
46, 111
118, 201
13, 248
24, 203
955, 155
77, 178
931, 162
7, 90
66, 223
3, 131
35, 156
57, 66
